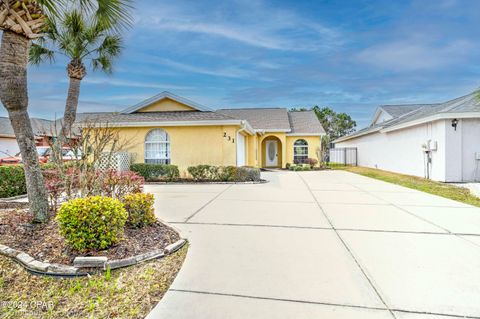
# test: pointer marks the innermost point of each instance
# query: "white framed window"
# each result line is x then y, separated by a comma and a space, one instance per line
300, 151
157, 147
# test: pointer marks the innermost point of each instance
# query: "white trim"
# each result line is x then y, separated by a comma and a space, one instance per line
162, 96
377, 114
167, 123
349, 137
246, 126
266, 131
436, 117
305, 134
241, 161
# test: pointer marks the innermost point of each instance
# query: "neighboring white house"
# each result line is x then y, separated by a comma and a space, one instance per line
8, 143
438, 141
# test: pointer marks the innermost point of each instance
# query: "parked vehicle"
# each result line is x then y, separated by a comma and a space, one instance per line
44, 154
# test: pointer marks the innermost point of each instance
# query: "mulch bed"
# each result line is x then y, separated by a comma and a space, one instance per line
44, 242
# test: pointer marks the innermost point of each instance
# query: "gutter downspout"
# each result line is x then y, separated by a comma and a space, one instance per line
243, 127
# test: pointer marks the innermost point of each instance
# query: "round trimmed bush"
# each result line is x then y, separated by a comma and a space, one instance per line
140, 209
94, 222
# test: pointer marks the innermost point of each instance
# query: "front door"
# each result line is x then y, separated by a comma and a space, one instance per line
271, 153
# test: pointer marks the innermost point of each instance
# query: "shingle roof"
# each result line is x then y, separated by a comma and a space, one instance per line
262, 118
468, 103
398, 110
305, 122
114, 117
41, 127
268, 119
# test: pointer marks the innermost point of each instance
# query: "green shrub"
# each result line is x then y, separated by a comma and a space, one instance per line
12, 181
203, 172
300, 167
224, 173
152, 172
248, 174
94, 222
140, 209
227, 173
311, 162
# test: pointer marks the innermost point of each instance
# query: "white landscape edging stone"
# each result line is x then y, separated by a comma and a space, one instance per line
97, 263
35, 266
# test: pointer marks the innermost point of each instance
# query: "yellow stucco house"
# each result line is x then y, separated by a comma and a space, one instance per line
171, 129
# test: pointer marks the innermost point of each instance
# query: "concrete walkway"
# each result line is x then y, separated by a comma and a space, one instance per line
327, 244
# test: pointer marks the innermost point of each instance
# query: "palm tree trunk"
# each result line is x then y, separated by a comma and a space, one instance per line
71, 106
14, 96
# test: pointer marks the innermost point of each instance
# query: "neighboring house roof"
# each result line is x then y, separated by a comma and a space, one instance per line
267, 119
41, 127
305, 123
467, 106
398, 110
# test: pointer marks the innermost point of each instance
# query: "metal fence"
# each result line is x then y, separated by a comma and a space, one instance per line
343, 156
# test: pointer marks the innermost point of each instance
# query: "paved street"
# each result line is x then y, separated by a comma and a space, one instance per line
327, 244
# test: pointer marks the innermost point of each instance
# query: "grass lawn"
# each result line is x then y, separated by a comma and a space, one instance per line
441, 189
125, 293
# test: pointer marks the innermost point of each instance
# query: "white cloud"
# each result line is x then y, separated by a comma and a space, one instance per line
231, 71
253, 24
136, 84
411, 55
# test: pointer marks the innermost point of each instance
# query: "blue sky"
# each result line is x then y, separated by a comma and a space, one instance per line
351, 55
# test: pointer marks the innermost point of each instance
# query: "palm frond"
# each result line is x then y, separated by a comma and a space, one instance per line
39, 54
111, 46
52, 7
102, 63
74, 22
50, 28
115, 13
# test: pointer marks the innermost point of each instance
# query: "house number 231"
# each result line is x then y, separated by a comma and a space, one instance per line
228, 137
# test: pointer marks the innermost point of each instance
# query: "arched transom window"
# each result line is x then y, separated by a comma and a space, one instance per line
157, 147
300, 151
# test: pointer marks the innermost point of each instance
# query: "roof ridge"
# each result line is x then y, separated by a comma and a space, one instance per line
457, 101
290, 122
253, 108
163, 95
410, 104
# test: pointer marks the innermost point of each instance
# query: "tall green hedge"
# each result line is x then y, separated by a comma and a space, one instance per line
154, 172
12, 181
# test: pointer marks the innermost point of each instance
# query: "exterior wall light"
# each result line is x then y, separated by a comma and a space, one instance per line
454, 124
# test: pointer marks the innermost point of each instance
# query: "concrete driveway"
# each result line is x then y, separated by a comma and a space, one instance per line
327, 244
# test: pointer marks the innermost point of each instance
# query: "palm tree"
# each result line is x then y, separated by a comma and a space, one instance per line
21, 21
79, 37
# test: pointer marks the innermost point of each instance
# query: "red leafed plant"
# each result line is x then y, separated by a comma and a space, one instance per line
118, 184
55, 186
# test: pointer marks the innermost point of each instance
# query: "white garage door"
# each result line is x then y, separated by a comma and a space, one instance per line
240, 150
